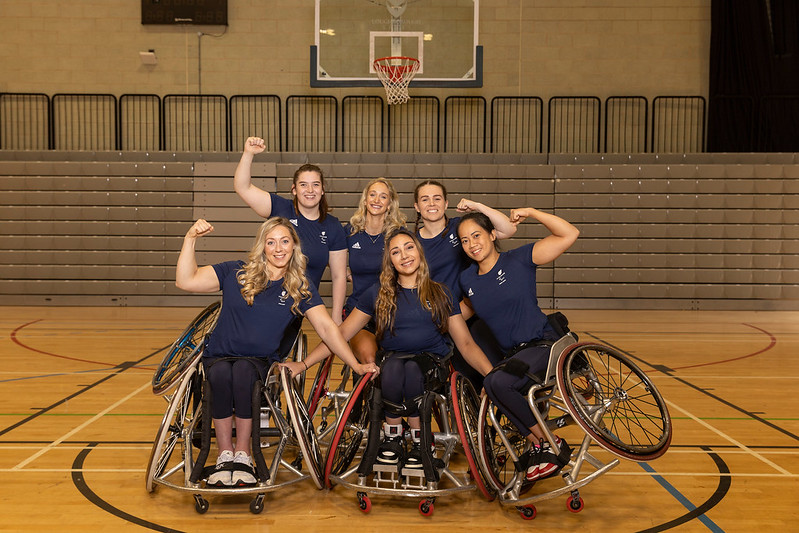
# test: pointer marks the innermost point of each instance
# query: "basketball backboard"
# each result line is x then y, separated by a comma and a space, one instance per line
441, 34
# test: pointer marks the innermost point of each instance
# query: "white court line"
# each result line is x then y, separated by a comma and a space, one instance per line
733, 441
80, 427
75, 447
49, 470
701, 474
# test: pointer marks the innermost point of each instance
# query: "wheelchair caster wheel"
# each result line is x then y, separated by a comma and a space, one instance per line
364, 502
575, 505
528, 512
201, 504
257, 505
426, 507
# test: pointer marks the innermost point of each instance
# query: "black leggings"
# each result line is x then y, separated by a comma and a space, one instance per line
232, 380
401, 382
509, 392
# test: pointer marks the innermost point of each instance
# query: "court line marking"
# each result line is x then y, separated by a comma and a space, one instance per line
80, 427
720, 433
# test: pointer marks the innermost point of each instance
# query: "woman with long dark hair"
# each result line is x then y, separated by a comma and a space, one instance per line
501, 288
415, 318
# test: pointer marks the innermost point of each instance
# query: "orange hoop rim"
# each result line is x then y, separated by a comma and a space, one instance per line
381, 63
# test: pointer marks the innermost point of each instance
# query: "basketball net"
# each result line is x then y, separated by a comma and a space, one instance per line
395, 73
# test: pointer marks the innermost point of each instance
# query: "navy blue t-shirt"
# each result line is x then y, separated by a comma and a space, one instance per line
365, 261
445, 257
317, 238
414, 330
252, 331
505, 298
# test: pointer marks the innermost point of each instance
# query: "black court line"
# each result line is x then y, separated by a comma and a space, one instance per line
725, 481
670, 372
118, 370
89, 494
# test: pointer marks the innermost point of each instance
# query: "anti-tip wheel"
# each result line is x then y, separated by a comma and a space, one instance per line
528, 512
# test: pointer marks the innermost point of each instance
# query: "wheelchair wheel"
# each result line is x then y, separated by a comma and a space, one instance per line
351, 429
614, 401
494, 455
319, 387
181, 418
186, 350
303, 427
466, 410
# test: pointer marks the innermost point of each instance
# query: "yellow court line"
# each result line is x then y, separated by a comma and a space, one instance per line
80, 427
733, 441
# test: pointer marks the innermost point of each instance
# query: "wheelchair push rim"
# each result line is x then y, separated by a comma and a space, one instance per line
349, 433
466, 410
614, 401
180, 418
185, 351
301, 423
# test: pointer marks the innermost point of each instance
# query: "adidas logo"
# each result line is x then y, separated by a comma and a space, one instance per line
356, 246
293, 221
470, 292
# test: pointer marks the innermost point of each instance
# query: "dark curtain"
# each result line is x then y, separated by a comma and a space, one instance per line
754, 76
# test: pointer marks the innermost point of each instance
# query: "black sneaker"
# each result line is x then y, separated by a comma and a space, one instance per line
414, 459
391, 450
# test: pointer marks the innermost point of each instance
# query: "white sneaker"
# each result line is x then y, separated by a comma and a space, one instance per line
221, 478
243, 477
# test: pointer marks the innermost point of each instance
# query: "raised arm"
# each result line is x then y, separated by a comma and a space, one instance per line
563, 234
502, 224
335, 339
258, 199
188, 276
469, 349
337, 260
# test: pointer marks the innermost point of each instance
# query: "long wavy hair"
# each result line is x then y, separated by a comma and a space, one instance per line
432, 295
394, 218
255, 275
323, 207
416, 201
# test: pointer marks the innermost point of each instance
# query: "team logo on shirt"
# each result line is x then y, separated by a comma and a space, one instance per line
281, 300
323, 237
470, 292
293, 221
501, 277
356, 246
454, 240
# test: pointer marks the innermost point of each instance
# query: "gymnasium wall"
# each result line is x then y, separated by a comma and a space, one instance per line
531, 47
658, 231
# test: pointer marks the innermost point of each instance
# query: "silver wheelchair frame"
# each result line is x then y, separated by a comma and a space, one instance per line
458, 402
593, 386
285, 425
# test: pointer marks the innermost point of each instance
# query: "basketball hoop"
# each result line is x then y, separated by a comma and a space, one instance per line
395, 73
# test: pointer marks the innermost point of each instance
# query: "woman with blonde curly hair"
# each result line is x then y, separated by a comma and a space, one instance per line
260, 300
415, 318
378, 213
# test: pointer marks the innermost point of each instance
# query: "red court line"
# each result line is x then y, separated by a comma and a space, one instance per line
25, 346
772, 343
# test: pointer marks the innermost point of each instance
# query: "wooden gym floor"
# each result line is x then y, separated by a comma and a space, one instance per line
78, 420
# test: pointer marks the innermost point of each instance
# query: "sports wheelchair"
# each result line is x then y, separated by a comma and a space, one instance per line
282, 442
351, 456
596, 387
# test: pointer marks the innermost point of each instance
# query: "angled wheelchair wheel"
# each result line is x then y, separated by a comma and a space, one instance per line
614, 401
497, 458
182, 417
466, 411
303, 427
186, 350
350, 431
320, 385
